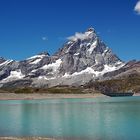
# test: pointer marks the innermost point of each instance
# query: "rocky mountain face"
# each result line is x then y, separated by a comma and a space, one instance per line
82, 58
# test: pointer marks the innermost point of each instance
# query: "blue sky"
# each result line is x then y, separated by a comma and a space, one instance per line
28, 27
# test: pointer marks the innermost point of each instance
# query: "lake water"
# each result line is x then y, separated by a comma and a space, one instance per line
72, 119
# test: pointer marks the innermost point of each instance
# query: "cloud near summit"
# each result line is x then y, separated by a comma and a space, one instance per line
77, 35
137, 7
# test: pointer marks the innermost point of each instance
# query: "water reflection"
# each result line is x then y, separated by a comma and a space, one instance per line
68, 119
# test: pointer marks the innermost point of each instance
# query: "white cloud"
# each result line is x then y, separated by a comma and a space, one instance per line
81, 36
78, 36
44, 38
137, 7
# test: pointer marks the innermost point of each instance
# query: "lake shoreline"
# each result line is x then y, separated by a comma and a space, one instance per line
35, 96
43, 96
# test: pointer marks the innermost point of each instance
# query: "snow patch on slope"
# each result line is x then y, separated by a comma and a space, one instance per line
92, 47
89, 70
6, 62
36, 61
14, 75
53, 66
45, 78
36, 56
76, 54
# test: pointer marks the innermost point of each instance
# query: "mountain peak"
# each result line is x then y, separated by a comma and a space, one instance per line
86, 51
91, 29
89, 34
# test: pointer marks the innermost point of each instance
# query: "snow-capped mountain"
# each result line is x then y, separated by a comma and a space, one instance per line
85, 52
82, 58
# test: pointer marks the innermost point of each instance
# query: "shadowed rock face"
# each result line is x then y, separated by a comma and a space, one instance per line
82, 58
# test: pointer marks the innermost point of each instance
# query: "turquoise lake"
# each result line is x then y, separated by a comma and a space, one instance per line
115, 118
